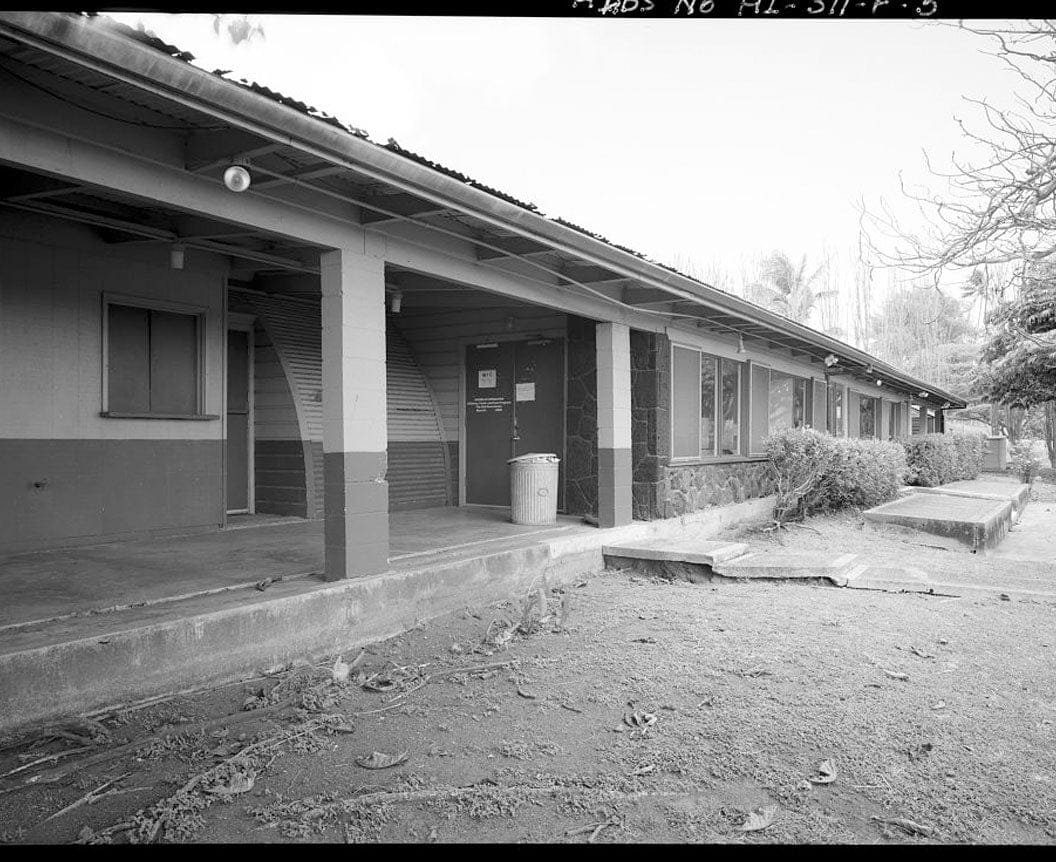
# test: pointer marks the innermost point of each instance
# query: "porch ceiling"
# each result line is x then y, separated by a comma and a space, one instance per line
291, 174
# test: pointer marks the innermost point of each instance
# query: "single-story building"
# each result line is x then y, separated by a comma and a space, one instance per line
358, 333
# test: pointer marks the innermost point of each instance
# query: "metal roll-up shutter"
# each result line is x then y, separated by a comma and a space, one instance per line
418, 469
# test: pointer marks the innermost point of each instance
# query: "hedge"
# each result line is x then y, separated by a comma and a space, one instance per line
819, 473
935, 459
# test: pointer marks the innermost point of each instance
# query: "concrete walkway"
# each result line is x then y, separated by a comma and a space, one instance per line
1033, 538
47, 584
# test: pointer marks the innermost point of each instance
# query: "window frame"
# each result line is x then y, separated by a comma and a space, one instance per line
198, 312
742, 412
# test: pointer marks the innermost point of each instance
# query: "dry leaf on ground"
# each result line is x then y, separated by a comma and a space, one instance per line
238, 782
759, 819
826, 773
907, 826
381, 760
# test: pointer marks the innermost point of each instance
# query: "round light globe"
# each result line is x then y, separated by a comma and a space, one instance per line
237, 178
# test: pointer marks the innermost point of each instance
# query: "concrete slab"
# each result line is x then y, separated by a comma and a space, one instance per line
971, 521
73, 664
689, 550
92, 578
1016, 493
790, 566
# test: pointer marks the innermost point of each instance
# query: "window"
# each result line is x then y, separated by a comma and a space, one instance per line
868, 421
760, 416
153, 365
931, 421
730, 442
705, 405
789, 402
894, 424
835, 419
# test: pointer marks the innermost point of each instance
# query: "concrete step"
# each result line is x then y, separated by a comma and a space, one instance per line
695, 551
789, 566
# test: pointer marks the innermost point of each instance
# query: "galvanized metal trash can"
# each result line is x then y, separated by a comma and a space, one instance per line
533, 489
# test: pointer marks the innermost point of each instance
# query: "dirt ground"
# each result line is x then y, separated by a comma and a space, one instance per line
634, 709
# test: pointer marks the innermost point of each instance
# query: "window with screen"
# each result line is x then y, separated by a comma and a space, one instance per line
705, 405
153, 362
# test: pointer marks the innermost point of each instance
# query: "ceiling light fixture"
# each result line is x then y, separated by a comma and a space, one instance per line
397, 302
740, 344
831, 359
237, 178
176, 256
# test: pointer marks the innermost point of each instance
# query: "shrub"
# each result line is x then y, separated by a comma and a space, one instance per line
935, 459
819, 473
1025, 461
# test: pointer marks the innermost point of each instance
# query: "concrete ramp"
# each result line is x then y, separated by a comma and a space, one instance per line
698, 561
956, 519
790, 566
700, 551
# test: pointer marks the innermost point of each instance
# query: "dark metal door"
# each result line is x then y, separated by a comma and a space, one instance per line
237, 421
489, 422
539, 401
515, 404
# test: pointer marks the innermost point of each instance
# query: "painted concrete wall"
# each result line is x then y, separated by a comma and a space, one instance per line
67, 472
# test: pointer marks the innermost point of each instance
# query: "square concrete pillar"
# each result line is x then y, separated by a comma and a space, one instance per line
355, 421
614, 424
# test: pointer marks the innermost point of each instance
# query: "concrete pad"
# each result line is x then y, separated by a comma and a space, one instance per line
73, 664
1018, 494
791, 566
977, 523
689, 550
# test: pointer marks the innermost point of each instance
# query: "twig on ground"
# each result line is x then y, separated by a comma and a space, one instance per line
88, 798
48, 759
128, 748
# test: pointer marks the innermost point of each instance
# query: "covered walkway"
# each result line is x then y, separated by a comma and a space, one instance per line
77, 581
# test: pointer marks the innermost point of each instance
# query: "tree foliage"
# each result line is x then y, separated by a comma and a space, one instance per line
787, 286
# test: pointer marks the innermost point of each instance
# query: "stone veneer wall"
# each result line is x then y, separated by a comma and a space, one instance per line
691, 487
650, 421
581, 419
660, 489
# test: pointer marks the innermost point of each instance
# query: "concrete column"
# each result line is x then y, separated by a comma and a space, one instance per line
614, 424
355, 427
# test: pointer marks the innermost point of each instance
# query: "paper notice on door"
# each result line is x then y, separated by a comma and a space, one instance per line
486, 378
525, 392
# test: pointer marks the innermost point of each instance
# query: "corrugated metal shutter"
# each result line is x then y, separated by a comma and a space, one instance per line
295, 329
418, 473
418, 469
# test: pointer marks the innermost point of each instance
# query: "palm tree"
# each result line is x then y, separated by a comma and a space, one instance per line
786, 287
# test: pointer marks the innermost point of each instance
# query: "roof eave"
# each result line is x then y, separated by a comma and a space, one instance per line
91, 43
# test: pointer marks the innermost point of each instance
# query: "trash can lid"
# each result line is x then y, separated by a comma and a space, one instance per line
535, 458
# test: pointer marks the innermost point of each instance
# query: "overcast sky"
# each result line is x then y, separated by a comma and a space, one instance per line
695, 141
